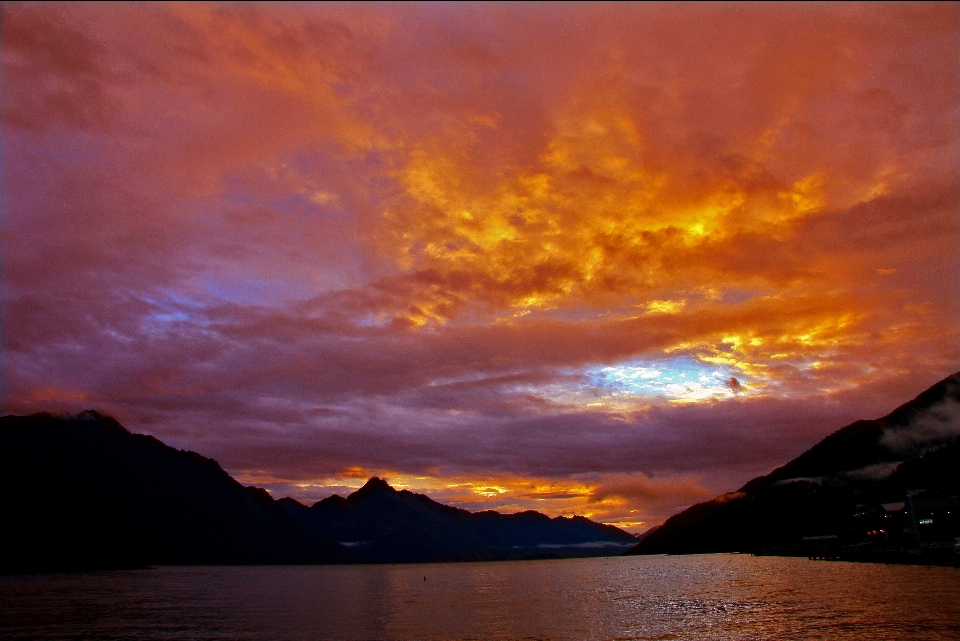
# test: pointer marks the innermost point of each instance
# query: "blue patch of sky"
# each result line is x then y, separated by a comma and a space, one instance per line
243, 290
169, 317
170, 308
679, 376
370, 320
177, 300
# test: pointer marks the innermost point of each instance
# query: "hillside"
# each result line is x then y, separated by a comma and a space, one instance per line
83, 492
850, 493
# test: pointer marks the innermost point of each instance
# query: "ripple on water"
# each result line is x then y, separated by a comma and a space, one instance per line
694, 597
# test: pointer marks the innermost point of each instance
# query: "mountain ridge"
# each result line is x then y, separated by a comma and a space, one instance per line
357, 520
83, 492
835, 491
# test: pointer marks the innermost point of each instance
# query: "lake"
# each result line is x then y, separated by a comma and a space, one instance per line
676, 597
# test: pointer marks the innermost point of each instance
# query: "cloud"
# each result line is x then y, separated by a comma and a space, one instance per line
938, 425
652, 499
405, 239
634, 502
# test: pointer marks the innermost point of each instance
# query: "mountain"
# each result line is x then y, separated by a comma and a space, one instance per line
82, 493
873, 486
382, 524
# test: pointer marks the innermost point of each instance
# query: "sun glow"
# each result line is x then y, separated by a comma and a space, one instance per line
603, 498
593, 223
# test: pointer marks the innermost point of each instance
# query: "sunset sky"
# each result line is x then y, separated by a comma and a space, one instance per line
608, 260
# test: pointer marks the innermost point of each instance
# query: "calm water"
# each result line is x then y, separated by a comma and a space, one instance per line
698, 597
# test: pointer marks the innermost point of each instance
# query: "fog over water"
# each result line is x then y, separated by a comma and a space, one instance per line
691, 597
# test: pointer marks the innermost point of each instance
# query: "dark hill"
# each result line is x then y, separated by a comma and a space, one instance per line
841, 493
83, 492
380, 523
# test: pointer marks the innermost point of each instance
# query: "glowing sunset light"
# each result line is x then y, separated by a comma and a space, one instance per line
603, 260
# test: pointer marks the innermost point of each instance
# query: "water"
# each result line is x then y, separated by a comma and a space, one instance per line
693, 597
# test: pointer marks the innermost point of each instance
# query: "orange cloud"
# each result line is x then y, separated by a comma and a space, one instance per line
453, 243
635, 502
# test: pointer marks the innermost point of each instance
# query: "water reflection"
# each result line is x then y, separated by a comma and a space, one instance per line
698, 597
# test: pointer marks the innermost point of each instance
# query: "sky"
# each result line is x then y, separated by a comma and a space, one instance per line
596, 259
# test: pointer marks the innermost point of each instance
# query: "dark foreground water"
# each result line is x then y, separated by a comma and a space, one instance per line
694, 597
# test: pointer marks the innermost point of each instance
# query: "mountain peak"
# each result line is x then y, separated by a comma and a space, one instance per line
375, 485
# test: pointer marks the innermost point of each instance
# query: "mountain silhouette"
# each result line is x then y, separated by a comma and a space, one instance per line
84, 493
874, 485
382, 524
